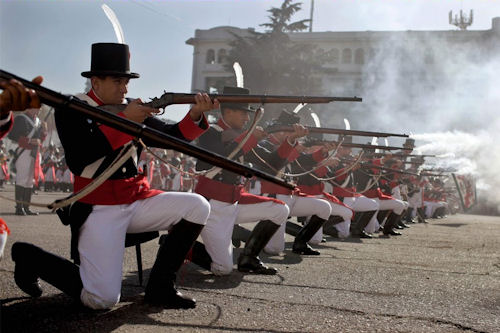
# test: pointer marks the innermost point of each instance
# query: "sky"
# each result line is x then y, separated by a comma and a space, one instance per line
53, 37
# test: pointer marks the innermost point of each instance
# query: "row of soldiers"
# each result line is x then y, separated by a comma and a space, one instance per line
357, 203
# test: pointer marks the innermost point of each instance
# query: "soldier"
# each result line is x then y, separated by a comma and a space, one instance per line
124, 203
29, 132
230, 203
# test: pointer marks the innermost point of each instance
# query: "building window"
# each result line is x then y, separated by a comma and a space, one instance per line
359, 57
210, 57
346, 56
333, 56
221, 56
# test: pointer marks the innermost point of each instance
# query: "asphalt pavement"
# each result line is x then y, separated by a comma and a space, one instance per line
443, 276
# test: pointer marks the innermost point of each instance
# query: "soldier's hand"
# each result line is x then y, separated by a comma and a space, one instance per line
298, 132
203, 104
16, 97
327, 146
137, 112
259, 133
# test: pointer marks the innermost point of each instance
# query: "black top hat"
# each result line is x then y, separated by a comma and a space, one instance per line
347, 138
110, 59
285, 119
236, 106
409, 143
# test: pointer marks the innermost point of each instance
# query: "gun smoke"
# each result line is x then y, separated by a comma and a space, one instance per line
443, 87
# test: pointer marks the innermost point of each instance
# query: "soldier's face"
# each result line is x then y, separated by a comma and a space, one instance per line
110, 89
237, 119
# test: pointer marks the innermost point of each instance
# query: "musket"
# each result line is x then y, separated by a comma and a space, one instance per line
170, 98
403, 155
325, 130
137, 130
350, 145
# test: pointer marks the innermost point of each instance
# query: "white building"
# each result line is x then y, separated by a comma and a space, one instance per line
389, 69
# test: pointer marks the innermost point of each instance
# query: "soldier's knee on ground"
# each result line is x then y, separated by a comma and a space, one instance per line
98, 302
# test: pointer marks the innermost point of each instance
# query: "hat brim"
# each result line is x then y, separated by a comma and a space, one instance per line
130, 75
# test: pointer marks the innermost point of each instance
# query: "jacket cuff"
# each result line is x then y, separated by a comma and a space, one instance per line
318, 155
190, 129
285, 149
251, 142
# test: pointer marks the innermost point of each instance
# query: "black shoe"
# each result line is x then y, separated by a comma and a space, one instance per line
366, 235
20, 211
305, 249
172, 300
249, 264
30, 212
25, 277
248, 261
392, 232
397, 226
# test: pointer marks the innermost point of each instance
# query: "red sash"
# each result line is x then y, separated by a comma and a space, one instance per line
116, 191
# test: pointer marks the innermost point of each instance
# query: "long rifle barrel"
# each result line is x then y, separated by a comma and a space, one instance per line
353, 145
170, 98
160, 139
324, 130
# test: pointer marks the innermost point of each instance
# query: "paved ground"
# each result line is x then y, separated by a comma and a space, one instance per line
438, 277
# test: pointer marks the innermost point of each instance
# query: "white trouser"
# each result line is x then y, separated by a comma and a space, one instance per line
415, 200
256, 188
218, 232
299, 206
343, 227
176, 182
3, 241
49, 175
396, 194
25, 169
364, 204
431, 206
101, 241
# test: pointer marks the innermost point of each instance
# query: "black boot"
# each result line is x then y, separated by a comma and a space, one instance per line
19, 195
300, 245
33, 263
249, 261
421, 215
27, 198
292, 228
408, 215
381, 215
240, 234
200, 256
361, 220
161, 285
329, 226
391, 221
401, 222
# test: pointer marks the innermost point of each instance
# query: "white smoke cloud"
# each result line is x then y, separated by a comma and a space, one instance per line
445, 87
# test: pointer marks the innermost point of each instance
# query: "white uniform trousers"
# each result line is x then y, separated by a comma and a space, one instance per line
431, 206
337, 210
299, 206
416, 200
25, 169
397, 206
176, 182
102, 239
218, 232
362, 204
396, 193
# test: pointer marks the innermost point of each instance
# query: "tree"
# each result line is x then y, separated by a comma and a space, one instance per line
272, 63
